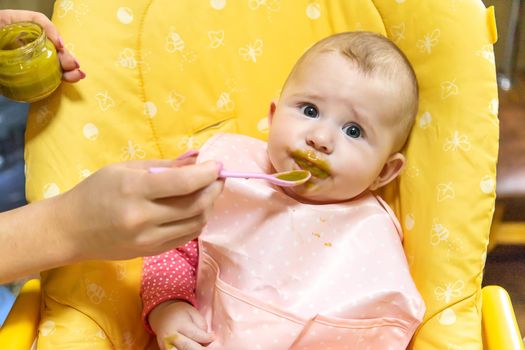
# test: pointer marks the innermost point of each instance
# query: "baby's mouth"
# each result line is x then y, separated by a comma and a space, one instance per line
308, 160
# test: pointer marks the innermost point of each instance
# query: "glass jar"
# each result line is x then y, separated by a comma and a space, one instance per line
29, 65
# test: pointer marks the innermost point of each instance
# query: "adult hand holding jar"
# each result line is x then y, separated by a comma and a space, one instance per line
33, 58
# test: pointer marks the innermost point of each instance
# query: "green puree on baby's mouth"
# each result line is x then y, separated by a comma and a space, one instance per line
295, 175
307, 160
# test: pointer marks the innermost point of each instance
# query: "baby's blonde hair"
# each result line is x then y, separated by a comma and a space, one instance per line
376, 55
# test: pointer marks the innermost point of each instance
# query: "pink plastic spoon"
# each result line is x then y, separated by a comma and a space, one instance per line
284, 179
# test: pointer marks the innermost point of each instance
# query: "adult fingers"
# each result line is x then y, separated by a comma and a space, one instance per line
67, 61
164, 164
169, 236
175, 234
167, 210
185, 159
192, 153
50, 29
180, 162
172, 244
73, 76
182, 229
181, 181
148, 163
71, 72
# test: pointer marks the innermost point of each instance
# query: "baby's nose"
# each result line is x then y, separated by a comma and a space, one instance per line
321, 143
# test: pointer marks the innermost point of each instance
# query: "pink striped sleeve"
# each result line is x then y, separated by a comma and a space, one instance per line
169, 276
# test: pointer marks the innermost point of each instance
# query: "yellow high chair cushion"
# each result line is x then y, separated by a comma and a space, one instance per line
163, 76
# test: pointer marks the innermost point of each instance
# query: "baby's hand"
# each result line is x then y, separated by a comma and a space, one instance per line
180, 326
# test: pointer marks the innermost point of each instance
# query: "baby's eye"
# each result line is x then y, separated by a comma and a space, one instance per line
310, 111
352, 130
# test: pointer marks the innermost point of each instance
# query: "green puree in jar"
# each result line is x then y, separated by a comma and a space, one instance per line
29, 65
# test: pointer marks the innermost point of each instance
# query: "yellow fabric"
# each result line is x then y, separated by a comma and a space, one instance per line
163, 76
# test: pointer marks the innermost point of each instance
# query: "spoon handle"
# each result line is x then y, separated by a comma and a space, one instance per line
243, 175
225, 174
268, 177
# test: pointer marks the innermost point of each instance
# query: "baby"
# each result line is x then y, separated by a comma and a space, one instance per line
316, 266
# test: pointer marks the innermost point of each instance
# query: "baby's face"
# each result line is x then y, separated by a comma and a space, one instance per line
336, 122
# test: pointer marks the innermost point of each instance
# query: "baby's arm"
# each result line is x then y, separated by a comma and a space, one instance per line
168, 289
169, 276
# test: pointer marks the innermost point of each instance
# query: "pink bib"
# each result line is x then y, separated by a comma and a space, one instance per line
275, 273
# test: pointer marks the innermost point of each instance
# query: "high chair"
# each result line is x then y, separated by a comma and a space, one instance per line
163, 76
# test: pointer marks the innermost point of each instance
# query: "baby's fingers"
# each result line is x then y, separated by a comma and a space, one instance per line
178, 341
194, 332
198, 319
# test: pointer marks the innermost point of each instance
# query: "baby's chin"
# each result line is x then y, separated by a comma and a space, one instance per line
313, 194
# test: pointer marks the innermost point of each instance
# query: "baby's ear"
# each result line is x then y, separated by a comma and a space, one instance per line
271, 112
391, 169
